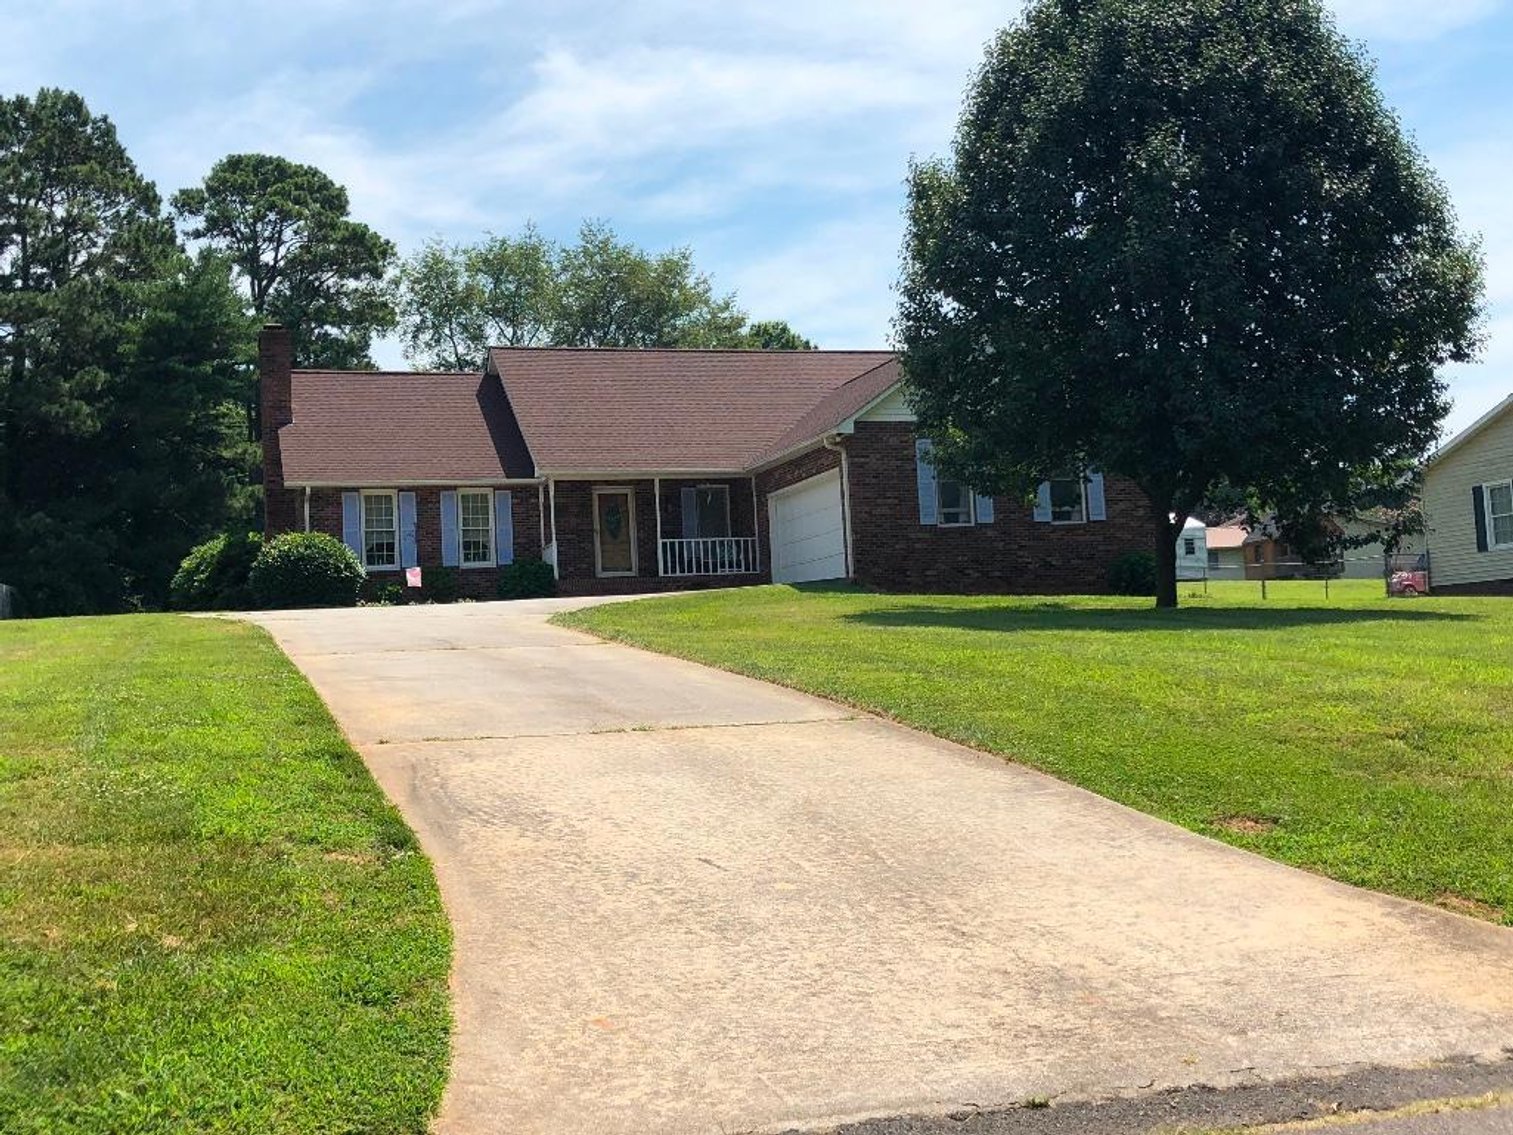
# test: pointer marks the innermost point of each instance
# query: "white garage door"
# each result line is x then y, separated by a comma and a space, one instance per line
808, 531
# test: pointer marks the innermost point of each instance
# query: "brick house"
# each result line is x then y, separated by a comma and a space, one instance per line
638, 470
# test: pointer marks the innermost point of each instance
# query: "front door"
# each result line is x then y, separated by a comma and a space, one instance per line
615, 531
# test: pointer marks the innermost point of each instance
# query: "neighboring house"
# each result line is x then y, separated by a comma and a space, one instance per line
1192, 550
638, 470
1468, 508
1226, 551
1269, 556
1368, 560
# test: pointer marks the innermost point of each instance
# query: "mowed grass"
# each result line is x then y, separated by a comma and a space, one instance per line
211, 920
1368, 739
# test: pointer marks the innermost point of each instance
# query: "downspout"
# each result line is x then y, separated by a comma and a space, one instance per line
307, 508
541, 513
832, 443
551, 488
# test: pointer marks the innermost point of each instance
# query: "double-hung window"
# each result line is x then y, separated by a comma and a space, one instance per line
1500, 514
475, 523
380, 530
954, 501
1068, 501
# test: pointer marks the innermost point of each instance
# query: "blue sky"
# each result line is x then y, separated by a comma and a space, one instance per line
770, 135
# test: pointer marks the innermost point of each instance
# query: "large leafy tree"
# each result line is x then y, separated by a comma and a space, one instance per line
613, 294
1184, 241
775, 335
305, 263
122, 439
456, 301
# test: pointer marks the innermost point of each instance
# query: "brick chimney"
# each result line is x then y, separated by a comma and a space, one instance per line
275, 361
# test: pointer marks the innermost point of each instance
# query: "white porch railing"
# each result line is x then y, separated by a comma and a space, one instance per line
714, 555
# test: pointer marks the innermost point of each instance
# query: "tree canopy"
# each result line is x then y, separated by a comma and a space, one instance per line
304, 261
1184, 242
456, 301
122, 428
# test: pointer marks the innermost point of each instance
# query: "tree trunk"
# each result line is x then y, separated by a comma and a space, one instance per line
1166, 560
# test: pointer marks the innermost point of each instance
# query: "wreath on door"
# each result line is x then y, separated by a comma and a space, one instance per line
614, 519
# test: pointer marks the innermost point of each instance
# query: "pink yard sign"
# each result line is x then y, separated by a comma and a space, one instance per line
412, 577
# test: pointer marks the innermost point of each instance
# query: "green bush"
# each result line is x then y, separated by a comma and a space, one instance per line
213, 576
441, 584
527, 579
306, 569
1133, 573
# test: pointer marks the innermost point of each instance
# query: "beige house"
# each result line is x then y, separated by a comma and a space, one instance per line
1468, 508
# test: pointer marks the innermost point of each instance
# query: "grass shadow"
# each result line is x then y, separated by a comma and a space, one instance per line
1064, 617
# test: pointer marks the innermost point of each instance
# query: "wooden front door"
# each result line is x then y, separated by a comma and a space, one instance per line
615, 531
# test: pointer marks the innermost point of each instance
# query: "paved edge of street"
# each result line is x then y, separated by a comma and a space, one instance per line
1203, 1108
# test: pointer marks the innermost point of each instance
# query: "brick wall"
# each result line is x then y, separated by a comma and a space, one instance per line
472, 583
894, 552
801, 468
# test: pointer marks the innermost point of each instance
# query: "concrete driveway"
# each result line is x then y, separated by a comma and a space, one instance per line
690, 902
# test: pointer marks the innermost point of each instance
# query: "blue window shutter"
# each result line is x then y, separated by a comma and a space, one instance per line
1479, 503
1043, 503
408, 546
351, 523
451, 537
925, 475
984, 509
1097, 503
504, 527
690, 514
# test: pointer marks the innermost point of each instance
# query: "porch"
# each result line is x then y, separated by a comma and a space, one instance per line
613, 535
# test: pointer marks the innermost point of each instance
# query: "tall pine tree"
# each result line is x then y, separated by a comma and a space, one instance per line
122, 371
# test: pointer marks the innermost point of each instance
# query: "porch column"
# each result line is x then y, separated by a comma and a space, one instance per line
756, 527
656, 487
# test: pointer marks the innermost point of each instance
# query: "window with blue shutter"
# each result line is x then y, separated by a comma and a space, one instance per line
504, 527
925, 476
1097, 502
409, 555
351, 523
451, 545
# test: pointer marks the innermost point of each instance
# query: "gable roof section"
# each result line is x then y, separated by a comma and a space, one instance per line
390, 428
1471, 431
598, 410
834, 409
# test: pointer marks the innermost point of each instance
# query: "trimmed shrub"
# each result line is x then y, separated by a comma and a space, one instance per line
213, 576
527, 579
441, 584
306, 569
1133, 573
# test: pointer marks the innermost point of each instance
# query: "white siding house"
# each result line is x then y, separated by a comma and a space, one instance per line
1468, 507
1192, 550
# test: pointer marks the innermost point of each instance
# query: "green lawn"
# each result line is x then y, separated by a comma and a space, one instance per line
210, 918
1366, 739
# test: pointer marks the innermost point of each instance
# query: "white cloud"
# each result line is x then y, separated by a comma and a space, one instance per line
770, 135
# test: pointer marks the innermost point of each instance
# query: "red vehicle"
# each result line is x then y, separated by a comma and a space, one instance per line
1413, 581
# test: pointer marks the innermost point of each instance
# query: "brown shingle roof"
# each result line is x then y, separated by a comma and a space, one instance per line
672, 410
841, 403
392, 428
